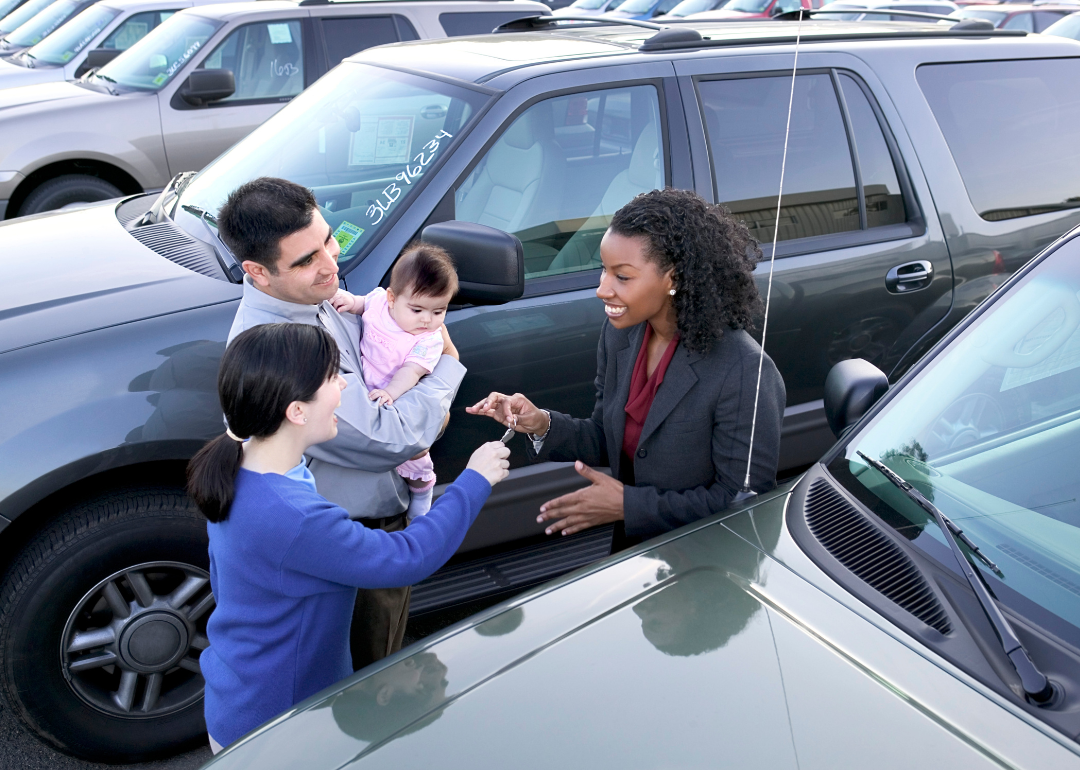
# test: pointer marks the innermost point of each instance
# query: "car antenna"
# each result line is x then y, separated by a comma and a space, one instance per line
746, 492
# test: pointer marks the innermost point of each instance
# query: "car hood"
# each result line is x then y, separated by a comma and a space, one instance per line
26, 96
14, 75
612, 667
68, 272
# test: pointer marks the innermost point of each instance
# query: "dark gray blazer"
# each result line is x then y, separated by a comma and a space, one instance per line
691, 459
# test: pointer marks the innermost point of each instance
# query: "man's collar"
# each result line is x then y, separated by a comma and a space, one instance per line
257, 299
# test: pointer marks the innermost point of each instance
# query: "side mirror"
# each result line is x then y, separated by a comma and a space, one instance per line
98, 57
852, 387
205, 86
490, 263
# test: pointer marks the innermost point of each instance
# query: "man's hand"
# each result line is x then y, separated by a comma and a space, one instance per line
448, 347
380, 395
515, 410
601, 503
345, 302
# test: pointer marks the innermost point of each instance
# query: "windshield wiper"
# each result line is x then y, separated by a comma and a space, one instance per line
230, 265
1036, 686
28, 59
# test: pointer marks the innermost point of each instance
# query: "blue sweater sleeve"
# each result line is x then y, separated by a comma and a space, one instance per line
331, 546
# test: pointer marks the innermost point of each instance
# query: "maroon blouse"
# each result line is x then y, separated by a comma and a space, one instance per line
643, 390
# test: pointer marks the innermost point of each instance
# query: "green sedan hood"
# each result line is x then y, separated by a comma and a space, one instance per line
623, 665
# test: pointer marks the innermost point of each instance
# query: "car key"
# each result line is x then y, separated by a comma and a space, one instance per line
508, 435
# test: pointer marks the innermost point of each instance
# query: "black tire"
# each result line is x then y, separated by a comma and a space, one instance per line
65, 190
51, 596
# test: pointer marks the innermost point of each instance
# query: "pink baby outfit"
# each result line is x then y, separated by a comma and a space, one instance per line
385, 346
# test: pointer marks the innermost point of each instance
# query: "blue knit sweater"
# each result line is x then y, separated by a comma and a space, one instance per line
284, 567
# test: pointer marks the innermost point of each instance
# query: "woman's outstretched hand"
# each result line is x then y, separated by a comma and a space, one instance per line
600, 503
491, 461
515, 410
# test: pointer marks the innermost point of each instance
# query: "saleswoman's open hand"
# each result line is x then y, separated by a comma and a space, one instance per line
515, 410
599, 503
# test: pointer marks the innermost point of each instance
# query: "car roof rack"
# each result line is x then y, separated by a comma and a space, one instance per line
958, 23
665, 35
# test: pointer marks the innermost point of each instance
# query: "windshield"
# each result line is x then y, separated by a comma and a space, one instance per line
23, 14
989, 432
361, 138
747, 6
842, 7
61, 46
154, 61
687, 7
994, 17
589, 5
637, 6
44, 24
1067, 27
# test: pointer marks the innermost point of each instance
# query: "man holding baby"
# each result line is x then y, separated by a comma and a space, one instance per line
376, 467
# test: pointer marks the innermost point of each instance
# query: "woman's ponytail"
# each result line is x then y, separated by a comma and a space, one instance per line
263, 370
211, 476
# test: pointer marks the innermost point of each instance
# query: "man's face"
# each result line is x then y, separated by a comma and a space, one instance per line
307, 269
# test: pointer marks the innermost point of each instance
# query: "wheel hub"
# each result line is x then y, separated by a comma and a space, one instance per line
153, 641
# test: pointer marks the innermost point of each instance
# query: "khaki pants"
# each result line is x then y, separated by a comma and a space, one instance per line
380, 614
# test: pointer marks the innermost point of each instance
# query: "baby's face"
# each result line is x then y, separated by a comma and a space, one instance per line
418, 314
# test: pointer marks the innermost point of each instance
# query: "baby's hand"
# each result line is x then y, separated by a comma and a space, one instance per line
343, 301
384, 398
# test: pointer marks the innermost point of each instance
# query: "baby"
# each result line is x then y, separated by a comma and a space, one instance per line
403, 340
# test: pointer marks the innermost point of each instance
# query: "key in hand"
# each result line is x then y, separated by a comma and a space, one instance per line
508, 435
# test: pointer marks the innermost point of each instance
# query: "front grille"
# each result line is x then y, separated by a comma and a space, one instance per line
174, 244
872, 556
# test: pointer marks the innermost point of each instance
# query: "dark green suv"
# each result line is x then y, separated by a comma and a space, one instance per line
924, 165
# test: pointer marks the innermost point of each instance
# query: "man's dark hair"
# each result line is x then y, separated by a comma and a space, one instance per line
711, 254
426, 270
258, 214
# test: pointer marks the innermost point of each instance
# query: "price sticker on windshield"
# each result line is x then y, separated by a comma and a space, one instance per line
346, 235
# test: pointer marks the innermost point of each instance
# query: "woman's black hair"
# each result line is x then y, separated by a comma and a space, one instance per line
712, 256
263, 370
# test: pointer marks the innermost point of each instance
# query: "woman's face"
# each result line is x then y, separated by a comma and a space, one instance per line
632, 287
321, 422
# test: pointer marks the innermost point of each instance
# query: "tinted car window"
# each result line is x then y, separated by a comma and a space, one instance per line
135, 29
457, 24
1044, 19
746, 119
560, 171
884, 199
1024, 21
267, 60
344, 37
1014, 131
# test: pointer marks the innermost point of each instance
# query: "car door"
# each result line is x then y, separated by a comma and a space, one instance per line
553, 172
268, 63
861, 268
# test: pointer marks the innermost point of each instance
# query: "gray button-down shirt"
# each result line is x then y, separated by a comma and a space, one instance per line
356, 468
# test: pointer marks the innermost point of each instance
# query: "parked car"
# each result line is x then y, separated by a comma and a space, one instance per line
1067, 26
642, 9
41, 26
21, 13
111, 341
688, 7
756, 9
1029, 18
939, 8
97, 35
825, 625
588, 8
166, 105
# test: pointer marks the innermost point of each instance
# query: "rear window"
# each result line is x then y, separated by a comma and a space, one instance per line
1013, 128
457, 24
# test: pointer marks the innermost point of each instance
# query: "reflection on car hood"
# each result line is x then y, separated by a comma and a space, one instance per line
69, 272
42, 93
618, 667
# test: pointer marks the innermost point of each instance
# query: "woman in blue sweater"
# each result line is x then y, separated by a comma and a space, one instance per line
284, 562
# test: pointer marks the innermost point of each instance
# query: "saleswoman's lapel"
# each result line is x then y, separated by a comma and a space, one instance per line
678, 380
625, 358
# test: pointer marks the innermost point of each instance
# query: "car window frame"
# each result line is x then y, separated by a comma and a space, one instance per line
582, 279
222, 36
913, 227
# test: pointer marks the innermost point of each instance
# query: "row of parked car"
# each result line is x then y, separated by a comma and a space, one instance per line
901, 214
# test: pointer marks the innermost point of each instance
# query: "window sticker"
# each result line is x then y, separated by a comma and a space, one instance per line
382, 140
346, 235
279, 33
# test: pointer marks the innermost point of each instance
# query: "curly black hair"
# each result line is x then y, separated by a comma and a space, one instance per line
713, 257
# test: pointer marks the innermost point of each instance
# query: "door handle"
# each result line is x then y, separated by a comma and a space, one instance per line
910, 276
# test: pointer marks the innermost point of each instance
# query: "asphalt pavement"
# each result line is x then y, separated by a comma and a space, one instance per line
19, 750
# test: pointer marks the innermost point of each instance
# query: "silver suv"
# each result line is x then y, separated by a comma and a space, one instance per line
194, 87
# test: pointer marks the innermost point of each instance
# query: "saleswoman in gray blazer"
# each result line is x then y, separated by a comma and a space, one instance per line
675, 382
